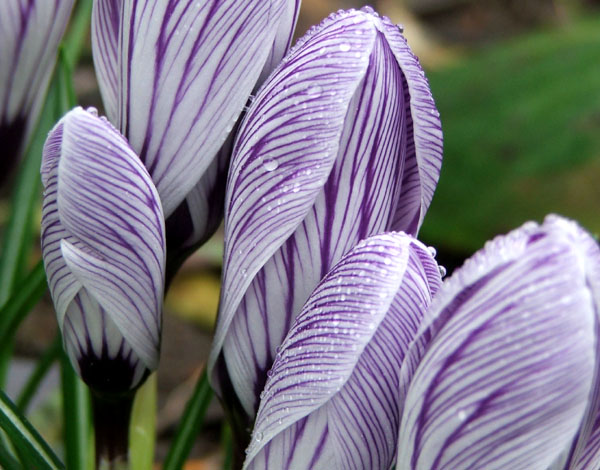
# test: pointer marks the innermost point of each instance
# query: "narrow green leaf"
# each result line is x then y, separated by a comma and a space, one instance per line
142, 429
39, 373
25, 438
76, 415
16, 309
227, 446
191, 421
17, 241
79, 27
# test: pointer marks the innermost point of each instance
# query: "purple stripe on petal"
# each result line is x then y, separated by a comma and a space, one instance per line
331, 399
505, 377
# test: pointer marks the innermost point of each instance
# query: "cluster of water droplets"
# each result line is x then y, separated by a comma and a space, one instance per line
433, 253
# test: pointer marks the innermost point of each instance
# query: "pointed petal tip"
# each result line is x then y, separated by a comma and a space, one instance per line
332, 337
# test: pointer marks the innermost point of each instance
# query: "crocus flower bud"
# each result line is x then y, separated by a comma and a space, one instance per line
104, 252
508, 359
30, 31
175, 76
343, 141
331, 399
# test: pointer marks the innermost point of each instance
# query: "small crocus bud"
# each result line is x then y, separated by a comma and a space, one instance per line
30, 31
508, 377
331, 399
175, 76
104, 252
103, 247
342, 142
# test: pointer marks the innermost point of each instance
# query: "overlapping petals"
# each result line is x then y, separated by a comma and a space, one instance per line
30, 31
338, 145
509, 376
103, 248
331, 399
175, 75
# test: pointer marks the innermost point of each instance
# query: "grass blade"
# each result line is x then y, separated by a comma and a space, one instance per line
42, 367
25, 438
191, 421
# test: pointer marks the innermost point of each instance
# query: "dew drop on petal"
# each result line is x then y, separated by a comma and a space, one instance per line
270, 164
314, 90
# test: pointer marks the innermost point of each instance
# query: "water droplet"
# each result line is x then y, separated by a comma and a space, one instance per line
270, 164
345, 47
314, 90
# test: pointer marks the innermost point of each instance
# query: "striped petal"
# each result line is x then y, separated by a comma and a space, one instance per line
317, 166
184, 72
507, 375
584, 453
103, 243
30, 31
331, 399
106, 20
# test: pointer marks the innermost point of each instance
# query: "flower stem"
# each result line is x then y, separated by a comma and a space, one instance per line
111, 423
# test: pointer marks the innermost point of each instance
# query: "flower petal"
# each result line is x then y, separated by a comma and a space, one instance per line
331, 398
108, 223
584, 453
283, 38
505, 379
30, 32
185, 71
424, 129
105, 26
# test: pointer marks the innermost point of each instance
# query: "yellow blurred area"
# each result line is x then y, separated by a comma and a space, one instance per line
194, 296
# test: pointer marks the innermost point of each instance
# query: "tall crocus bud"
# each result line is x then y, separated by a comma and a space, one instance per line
175, 76
510, 373
30, 31
331, 399
104, 252
342, 142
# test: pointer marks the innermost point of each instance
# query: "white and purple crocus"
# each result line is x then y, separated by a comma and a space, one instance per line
343, 141
30, 31
499, 371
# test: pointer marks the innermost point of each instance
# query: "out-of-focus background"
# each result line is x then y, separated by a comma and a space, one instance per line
517, 83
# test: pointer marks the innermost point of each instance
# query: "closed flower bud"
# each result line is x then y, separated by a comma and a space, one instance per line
342, 142
104, 252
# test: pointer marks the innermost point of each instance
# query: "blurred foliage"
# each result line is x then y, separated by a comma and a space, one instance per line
521, 125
